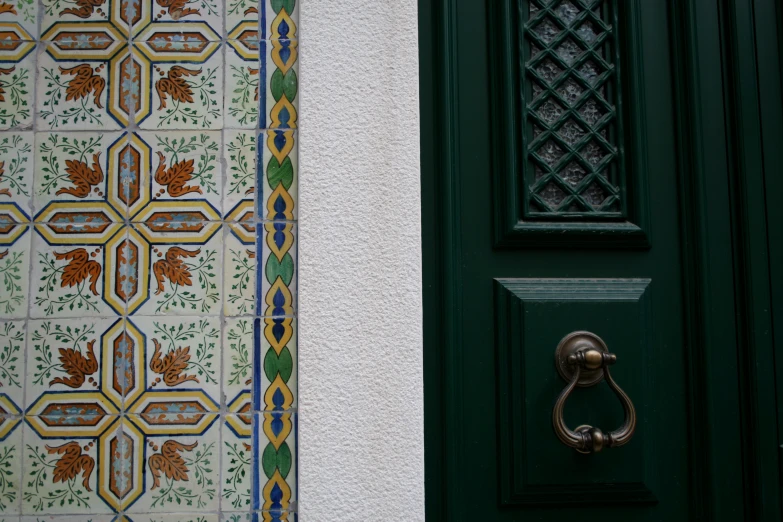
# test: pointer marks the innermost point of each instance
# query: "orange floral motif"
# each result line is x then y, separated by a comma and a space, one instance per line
175, 85
7, 8
84, 83
82, 176
86, 7
76, 365
251, 10
3, 254
250, 254
169, 462
172, 268
176, 8
175, 177
172, 365
72, 463
79, 268
5, 71
5, 191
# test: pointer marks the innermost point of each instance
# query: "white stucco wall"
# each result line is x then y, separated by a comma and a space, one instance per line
360, 330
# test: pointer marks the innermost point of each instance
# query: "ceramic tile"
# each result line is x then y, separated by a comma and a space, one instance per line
279, 261
282, 16
276, 462
24, 13
171, 517
138, 330
282, 69
276, 516
178, 364
17, 85
175, 463
79, 89
236, 470
179, 267
239, 152
158, 17
11, 475
243, 84
79, 177
74, 518
70, 466
278, 350
243, 13
238, 369
96, 20
77, 271
180, 167
280, 176
239, 266
13, 335
16, 169
187, 94
15, 257
73, 367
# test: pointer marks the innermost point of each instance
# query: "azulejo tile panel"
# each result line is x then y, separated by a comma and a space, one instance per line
148, 260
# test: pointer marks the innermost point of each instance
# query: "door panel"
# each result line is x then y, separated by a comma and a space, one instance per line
569, 138
519, 253
531, 316
650, 358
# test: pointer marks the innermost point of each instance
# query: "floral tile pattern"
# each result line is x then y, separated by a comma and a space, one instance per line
148, 260
23, 13
75, 171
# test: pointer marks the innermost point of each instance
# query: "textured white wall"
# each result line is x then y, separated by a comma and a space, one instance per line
360, 331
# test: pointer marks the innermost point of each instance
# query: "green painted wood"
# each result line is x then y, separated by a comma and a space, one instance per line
514, 224
706, 91
534, 312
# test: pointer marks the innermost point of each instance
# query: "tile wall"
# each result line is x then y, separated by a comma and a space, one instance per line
148, 175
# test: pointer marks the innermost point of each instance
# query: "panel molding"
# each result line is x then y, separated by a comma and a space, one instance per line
511, 227
512, 296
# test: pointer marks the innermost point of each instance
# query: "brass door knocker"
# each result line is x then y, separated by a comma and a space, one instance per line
583, 360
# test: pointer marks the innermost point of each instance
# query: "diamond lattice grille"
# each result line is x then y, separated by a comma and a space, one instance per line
572, 116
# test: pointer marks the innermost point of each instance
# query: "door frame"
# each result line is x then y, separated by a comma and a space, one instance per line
719, 138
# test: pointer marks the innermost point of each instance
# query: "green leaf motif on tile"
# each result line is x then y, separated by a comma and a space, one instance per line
288, 5
14, 109
241, 291
10, 273
11, 343
12, 180
277, 173
241, 155
282, 364
276, 460
236, 489
7, 478
283, 269
281, 84
240, 338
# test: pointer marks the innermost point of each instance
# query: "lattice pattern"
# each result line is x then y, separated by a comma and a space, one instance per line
572, 118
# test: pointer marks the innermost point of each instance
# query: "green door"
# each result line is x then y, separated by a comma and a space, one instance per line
594, 178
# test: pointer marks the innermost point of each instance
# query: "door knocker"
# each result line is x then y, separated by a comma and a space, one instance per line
583, 360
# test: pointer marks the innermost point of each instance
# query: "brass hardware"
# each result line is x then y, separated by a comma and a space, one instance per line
582, 359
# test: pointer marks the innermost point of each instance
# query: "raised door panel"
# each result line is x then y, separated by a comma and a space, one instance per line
532, 316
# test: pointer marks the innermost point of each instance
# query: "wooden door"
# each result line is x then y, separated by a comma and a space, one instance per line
579, 176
